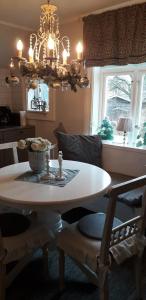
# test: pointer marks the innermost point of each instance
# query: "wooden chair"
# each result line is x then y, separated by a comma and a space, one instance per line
96, 255
20, 237
13, 146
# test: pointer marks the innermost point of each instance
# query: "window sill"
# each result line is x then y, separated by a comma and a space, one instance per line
125, 147
40, 115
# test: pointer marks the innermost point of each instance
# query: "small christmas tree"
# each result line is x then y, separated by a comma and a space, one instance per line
106, 130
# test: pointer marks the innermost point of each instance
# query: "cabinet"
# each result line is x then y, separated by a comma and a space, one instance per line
13, 134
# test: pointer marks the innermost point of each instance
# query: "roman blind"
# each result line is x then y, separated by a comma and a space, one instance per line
115, 37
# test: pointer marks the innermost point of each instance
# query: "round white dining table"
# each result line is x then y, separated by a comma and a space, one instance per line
89, 183
49, 200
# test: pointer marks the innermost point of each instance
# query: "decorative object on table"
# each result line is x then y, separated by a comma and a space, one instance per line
48, 175
124, 125
48, 56
106, 130
37, 148
60, 175
69, 174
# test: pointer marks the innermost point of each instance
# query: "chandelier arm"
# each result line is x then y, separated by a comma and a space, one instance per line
65, 39
33, 36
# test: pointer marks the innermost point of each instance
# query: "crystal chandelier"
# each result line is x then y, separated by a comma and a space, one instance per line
49, 57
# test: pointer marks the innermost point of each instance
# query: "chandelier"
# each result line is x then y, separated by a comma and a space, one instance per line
48, 57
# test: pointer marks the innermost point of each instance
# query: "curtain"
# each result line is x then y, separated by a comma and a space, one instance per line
115, 37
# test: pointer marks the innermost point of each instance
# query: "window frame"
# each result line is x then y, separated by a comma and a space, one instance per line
37, 92
43, 115
99, 75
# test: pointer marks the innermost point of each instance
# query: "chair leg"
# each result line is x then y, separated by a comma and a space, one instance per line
45, 261
61, 269
2, 281
103, 284
138, 277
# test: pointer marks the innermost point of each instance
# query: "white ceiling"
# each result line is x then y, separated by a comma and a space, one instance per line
26, 13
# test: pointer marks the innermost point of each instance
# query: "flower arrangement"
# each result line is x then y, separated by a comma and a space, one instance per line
34, 144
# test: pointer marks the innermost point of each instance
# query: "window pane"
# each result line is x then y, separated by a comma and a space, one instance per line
143, 108
118, 96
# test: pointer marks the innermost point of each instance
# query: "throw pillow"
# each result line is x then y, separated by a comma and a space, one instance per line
83, 148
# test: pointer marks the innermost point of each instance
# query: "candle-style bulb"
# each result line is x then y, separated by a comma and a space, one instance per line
64, 55
19, 48
51, 43
30, 53
79, 49
11, 63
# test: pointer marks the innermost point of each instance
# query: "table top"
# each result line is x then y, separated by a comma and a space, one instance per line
89, 183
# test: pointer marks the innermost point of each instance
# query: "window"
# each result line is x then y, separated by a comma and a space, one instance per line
119, 91
143, 107
38, 97
40, 102
118, 96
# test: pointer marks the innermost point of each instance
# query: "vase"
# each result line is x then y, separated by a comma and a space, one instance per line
37, 161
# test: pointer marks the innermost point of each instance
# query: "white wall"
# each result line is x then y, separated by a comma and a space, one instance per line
124, 159
5, 90
9, 37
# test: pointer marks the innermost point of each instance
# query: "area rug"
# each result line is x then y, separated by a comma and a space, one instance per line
30, 284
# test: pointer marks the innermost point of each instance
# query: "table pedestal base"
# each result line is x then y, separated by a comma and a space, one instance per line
53, 221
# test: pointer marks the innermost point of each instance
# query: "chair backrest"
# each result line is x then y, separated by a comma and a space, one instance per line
13, 146
114, 236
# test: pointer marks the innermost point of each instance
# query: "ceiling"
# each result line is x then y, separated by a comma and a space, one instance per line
26, 13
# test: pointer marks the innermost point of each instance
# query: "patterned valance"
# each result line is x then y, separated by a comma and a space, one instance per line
116, 37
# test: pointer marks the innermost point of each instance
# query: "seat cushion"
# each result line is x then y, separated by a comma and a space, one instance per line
84, 148
78, 246
13, 223
75, 214
36, 236
92, 225
132, 198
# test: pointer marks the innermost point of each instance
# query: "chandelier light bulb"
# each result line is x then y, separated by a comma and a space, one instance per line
19, 48
64, 55
11, 64
30, 53
79, 49
51, 43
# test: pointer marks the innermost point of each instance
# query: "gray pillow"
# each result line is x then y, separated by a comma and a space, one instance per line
84, 148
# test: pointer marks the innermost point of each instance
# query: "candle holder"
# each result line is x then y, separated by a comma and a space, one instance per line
48, 175
60, 175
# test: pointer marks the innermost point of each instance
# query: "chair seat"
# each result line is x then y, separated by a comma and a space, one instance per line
75, 214
28, 241
78, 246
82, 241
13, 223
92, 225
